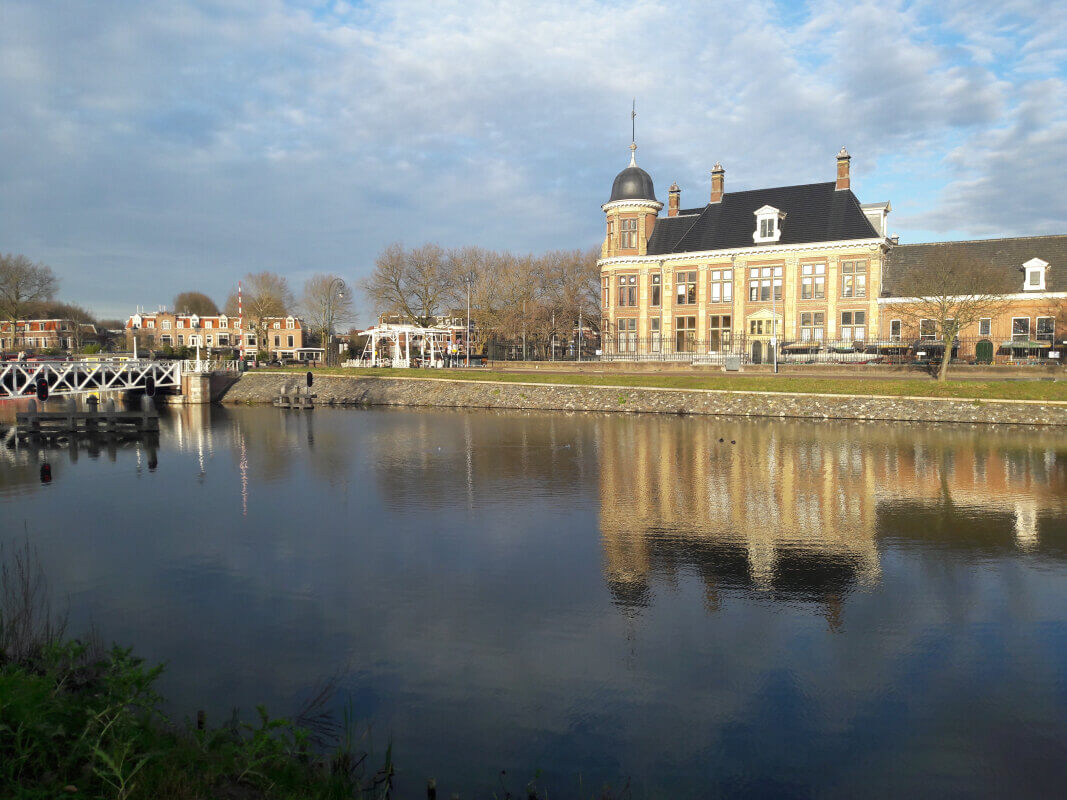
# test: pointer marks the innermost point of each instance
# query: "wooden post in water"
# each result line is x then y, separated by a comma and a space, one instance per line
109, 412
72, 409
93, 419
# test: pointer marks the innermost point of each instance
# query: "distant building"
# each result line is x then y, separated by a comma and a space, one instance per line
282, 337
46, 334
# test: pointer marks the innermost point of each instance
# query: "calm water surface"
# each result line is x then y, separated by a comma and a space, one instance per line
797, 610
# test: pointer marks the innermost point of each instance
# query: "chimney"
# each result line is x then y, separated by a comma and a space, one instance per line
718, 175
842, 169
674, 200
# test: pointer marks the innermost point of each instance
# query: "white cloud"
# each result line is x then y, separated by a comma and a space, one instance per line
178, 146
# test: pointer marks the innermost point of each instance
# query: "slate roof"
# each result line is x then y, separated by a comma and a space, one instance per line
904, 274
815, 212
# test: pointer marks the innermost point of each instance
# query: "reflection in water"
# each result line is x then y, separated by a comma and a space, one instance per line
702, 605
794, 510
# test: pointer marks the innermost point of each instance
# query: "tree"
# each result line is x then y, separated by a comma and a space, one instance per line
22, 284
417, 284
326, 302
195, 303
77, 316
263, 295
957, 290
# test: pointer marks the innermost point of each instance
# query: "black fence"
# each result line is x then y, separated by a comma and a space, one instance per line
553, 349
758, 350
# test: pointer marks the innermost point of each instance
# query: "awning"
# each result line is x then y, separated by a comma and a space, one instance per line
1029, 344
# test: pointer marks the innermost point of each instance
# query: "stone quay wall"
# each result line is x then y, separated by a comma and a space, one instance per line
262, 387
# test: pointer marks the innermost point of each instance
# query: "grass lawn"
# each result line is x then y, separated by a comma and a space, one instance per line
885, 387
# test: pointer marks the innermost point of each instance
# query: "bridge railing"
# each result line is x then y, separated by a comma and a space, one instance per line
19, 378
201, 366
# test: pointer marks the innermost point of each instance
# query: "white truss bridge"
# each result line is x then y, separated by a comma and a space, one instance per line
19, 378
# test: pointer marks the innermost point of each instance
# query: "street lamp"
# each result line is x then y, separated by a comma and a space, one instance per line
336, 289
468, 279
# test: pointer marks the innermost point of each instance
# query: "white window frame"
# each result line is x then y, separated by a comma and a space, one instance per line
898, 336
1035, 266
987, 323
1013, 334
772, 217
1049, 337
927, 337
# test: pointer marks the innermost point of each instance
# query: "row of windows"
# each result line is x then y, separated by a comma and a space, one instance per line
764, 284
1044, 329
812, 327
208, 324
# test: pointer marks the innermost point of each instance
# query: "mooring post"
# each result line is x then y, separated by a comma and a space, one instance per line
72, 409
93, 402
149, 420
109, 412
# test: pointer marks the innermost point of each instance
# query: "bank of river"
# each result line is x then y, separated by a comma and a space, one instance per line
262, 387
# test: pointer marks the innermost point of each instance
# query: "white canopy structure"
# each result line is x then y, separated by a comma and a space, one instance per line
395, 345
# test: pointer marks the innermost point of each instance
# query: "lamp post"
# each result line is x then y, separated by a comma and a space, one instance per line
468, 279
336, 290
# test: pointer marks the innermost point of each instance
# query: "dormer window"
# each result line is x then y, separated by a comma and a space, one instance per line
1035, 275
768, 224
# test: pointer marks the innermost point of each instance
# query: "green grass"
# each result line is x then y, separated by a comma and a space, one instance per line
886, 387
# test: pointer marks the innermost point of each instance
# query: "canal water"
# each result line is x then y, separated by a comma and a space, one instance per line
687, 607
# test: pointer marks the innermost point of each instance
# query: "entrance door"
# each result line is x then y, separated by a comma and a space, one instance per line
757, 353
983, 352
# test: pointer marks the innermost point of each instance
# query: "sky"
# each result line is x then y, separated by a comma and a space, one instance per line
149, 148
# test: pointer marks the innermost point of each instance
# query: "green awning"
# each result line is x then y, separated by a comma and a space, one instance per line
1030, 344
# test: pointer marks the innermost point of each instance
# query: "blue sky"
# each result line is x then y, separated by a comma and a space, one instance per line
150, 148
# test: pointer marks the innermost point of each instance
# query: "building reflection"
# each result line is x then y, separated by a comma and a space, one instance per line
797, 511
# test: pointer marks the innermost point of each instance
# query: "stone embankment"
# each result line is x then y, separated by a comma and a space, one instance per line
263, 387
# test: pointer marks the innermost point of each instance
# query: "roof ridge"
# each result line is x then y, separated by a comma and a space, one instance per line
993, 239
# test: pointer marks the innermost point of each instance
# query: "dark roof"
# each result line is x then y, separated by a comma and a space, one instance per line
633, 183
815, 212
904, 274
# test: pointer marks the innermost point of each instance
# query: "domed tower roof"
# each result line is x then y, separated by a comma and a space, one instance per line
633, 183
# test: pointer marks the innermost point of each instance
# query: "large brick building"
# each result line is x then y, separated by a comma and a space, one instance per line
809, 265
46, 334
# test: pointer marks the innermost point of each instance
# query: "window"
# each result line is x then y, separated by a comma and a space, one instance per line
894, 330
224, 340
290, 337
853, 278
1046, 329
812, 326
654, 326
150, 324
1035, 275
277, 326
209, 341
722, 285
853, 325
812, 281
181, 340
927, 329
718, 331
250, 340
628, 235
685, 329
767, 227
165, 339
760, 281
1020, 329
277, 341
656, 289
207, 324
759, 327
627, 290
166, 324
290, 323
687, 289
985, 327
628, 335
606, 294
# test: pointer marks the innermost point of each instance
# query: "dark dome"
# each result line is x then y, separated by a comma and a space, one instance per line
633, 183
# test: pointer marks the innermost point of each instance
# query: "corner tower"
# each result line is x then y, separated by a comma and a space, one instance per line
631, 211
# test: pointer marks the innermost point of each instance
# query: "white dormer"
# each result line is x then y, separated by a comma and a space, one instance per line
1035, 275
768, 224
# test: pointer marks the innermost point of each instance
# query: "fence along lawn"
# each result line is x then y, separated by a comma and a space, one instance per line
1040, 390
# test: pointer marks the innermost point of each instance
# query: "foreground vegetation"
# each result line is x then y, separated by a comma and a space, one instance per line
79, 721
884, 387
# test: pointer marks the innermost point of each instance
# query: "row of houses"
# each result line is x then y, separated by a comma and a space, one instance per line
46, 334
282, 337
803, 265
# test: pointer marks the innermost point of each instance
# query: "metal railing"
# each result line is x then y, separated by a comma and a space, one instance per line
18, 378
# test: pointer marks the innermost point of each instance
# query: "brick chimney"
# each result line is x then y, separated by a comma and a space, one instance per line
842, 169
718, 175
674, 200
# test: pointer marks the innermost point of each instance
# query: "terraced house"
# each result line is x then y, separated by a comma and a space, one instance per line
282, 337
802, 264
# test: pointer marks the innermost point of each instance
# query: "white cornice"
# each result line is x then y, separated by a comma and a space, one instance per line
780, 249
956, 298
656, 204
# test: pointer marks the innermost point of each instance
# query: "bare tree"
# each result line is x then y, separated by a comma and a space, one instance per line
327, 301
79, 319
22, 284
195, 303
263, 295
417, 284
957, 290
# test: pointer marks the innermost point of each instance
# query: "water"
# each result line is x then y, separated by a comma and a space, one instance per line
798, 610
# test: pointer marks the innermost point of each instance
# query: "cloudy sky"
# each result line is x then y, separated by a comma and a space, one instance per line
152, 147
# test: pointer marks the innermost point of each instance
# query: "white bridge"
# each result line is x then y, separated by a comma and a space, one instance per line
19, 378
